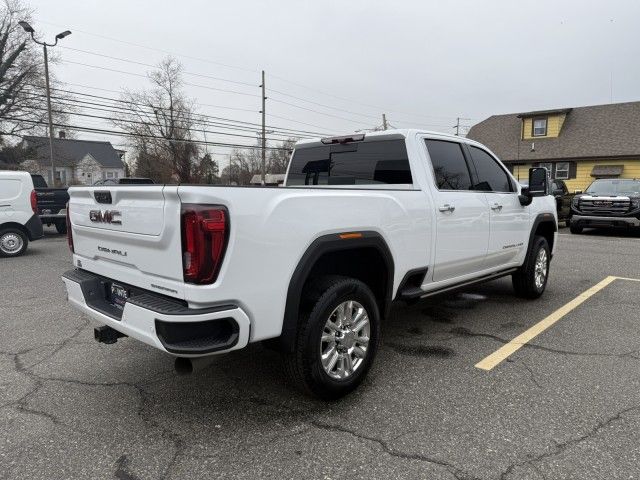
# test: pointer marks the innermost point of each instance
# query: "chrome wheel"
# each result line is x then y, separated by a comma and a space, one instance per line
345, 340
11, 243
540, 271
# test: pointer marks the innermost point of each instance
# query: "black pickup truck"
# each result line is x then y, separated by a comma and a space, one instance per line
51, 204
560, 192
607, 203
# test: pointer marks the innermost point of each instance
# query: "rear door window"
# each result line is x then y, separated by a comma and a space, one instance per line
358, 163
491, 176
449, 165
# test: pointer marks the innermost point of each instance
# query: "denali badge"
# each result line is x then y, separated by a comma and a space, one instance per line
105, 216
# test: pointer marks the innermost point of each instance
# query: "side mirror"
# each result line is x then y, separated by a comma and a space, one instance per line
538, 182
538, 186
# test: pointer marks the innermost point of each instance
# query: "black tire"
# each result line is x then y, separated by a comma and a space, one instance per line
13, 242
524, 279
575, 229
304, 366
61, 226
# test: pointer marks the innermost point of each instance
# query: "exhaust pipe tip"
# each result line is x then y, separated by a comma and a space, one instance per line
187, 366
183, 366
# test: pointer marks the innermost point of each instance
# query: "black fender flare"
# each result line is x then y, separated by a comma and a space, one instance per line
541, 218
320, 246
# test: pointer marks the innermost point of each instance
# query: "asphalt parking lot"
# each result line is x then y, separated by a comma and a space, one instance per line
565, 405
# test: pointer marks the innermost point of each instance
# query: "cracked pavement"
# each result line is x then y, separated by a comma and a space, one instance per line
565, 406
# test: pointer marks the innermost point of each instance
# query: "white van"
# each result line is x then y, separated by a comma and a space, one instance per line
19, 222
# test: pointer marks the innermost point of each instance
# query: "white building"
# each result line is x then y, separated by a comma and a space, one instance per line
75, 161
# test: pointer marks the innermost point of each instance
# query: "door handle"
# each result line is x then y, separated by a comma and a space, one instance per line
496, 206
446, 208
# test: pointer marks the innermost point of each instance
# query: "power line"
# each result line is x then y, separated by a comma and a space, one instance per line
100, 67
202, 75
241, 68
166, 52
137, 135
271, 127
224, 80
137, 122
218, 121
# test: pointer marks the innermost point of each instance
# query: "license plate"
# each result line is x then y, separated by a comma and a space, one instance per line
119, 295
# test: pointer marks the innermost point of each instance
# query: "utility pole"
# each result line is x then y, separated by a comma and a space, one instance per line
457, 126
384, 121
29, 29
264, 132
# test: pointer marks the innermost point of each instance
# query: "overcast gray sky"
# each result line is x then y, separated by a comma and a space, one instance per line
424, 63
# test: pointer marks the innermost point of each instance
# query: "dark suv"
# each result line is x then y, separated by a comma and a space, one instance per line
607, 203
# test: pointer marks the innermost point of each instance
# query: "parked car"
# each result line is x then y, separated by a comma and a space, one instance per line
310, 268
19, 222
125, 181
607, 203
560, 192
52, 203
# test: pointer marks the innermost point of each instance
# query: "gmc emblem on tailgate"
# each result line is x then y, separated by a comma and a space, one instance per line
105, 216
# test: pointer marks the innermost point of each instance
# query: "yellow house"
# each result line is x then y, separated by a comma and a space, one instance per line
577, 145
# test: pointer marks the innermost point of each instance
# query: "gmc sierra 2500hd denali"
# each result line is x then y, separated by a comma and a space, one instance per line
611, 202
313, 267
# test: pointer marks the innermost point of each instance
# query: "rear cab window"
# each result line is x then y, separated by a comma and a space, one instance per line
379, 162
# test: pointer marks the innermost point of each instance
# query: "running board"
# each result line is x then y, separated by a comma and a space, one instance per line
414, 294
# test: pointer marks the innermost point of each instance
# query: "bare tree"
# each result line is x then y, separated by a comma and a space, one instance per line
161, 123
22, 92
278, 160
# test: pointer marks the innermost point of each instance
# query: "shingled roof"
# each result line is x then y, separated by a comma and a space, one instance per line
611, 130
68, 152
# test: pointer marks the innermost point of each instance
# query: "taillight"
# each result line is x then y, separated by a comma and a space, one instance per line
34, 201
205, 230
69, 232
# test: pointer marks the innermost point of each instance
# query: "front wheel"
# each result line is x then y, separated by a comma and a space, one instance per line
530, 280
337, 341
575, 228
13, 242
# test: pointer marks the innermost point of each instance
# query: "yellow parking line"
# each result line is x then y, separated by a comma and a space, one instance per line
514, 345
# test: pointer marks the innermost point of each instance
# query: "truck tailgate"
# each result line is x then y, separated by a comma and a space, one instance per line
130, 234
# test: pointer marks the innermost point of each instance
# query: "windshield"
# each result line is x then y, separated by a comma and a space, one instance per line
614, 187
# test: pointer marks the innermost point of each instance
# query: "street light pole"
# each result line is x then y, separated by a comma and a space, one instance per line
46, 76
29, 29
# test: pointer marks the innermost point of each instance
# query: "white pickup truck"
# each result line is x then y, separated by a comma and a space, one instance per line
313, 267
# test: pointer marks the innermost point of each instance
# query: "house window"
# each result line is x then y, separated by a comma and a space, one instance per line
109, 174
562, 170
539, 127
548, 166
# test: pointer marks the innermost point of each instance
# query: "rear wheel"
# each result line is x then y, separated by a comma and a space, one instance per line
61, 226
337, 340
13, 242
530, 280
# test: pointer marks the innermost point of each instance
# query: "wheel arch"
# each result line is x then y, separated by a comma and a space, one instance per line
17, 226
544, 225
360, 254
